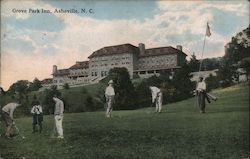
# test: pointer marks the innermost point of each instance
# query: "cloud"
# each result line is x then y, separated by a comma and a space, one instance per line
173, 24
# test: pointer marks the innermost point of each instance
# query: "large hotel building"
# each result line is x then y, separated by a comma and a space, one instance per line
138, 61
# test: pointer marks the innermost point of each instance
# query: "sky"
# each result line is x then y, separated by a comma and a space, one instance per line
31, 43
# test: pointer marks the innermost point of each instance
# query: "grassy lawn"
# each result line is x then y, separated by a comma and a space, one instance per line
179, 132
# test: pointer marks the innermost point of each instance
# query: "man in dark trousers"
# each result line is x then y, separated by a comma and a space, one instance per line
201, 93
37, 113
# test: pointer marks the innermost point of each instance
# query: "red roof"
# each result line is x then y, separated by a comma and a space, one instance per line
117, 49
161, 51
128, 48
61, 72
80, 65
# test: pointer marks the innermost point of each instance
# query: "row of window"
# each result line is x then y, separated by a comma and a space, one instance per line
103, 73
62, 81
82, 76
158, 64
155, 66
149, 72
112, 64
112, 59
78, 73
157, 61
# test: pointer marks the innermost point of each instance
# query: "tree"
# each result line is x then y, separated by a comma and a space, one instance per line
245, 63
182, 83
236, 55
2, 91
212, 82
226, 74
66, 86
47, 100
20, 88
194, 64
143, 94
210, 63
35, 85
90, 106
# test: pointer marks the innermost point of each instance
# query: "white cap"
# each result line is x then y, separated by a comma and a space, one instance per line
110, 82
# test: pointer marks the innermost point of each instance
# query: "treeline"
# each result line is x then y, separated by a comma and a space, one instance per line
175, 85
129, 95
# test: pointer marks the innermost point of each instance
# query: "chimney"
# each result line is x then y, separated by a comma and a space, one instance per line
142, 48
54, 69
179, 47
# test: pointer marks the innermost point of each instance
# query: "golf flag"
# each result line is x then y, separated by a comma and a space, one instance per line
208, 33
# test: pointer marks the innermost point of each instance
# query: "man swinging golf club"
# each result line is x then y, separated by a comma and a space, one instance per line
109, 95
156, 98
59, 108
7, 114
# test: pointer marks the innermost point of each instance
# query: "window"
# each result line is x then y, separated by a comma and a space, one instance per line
95, 73
92, 73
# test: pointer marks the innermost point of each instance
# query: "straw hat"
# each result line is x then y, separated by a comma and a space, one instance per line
111, 82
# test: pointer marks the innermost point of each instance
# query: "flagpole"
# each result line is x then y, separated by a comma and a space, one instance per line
207, 33
204, 43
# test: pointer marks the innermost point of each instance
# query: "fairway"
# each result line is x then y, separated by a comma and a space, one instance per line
179, 132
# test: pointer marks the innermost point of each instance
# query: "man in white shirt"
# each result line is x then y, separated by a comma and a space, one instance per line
7, 113
156, 98
37, 113
109, 95
59, 108
201, 93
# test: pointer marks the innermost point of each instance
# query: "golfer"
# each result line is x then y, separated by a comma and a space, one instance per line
7, 114
59, 108
156, 98
201, 93
109, 95
37, 113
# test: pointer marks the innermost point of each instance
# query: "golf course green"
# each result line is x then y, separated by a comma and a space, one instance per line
179, 132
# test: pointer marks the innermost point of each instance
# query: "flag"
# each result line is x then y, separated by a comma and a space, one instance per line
208, 33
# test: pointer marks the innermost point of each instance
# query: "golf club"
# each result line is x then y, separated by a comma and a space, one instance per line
23, 137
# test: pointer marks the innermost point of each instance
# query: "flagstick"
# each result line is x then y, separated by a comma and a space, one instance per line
204, 43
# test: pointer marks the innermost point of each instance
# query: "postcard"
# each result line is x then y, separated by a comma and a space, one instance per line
124, 79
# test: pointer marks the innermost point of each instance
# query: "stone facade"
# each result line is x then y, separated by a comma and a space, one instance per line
138, 61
